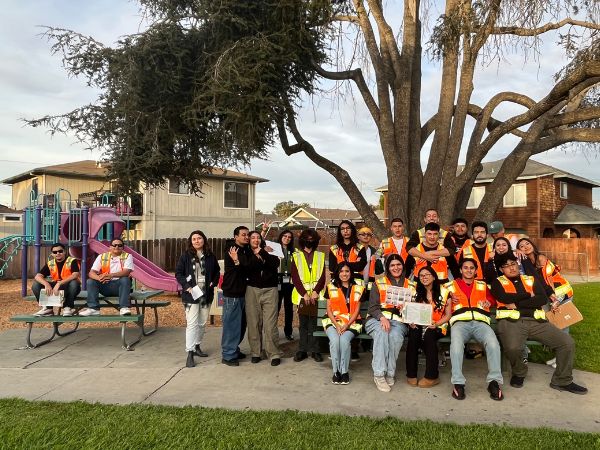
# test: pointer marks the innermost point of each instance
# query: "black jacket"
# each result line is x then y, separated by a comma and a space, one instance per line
235, 278
263, 273
185, 273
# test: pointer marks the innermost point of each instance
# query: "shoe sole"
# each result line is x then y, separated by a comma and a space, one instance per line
560, 388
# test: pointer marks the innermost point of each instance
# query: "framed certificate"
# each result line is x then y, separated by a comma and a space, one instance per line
397, 295
417, 313
51, 300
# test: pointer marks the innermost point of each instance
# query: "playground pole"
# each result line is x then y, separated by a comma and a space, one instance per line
84, 246
37, 226
24, 257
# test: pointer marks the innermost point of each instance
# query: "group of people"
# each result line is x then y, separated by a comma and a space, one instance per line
463, 277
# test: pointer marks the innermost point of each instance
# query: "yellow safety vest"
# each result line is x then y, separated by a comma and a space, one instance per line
308, 276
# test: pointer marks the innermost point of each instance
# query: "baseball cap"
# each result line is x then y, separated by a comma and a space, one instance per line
495, 227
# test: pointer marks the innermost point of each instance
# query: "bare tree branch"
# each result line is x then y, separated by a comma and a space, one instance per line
518, 31
347, 18
574, 117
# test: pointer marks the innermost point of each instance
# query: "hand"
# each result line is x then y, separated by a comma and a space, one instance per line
233, 253
48, 288
314, 296
519, 254
413, 326
433, 325
189, 290
338, 328
553, 298
358, 259
56, 289
385, 324
510, 306
268, 249
491, 255
555, 306
455, 299
306, 298
431, 258
485, 304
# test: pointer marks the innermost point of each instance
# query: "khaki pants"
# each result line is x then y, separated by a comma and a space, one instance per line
261, 315
514, 334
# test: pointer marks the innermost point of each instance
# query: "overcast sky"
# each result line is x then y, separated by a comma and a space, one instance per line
33, 83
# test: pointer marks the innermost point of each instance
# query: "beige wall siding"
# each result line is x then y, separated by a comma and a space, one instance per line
10, 228
178, 227
20, 193
75, 186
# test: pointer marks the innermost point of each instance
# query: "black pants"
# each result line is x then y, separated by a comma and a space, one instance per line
285, 297
308, 324
428, 342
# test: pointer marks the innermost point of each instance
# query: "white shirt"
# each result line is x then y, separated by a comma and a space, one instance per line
398, 243
115, 264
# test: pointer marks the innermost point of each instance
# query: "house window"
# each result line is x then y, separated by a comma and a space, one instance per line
177, 187
236, 194
34, 188
12, 218
477, 193
564, 193
516, 195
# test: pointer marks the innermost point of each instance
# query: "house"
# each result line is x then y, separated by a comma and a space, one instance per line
11, 221
227, 200
322, 218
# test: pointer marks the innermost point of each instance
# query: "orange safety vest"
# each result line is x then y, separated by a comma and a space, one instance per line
469, 308
387, 247
443, 234
66, 269
438, 313
509, 288
339, 253
339, 307
440, 267
469, 252
105, 261
390, 310
553, 277
459, 250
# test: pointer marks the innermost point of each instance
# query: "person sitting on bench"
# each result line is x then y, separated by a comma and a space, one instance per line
109, 276
64, 271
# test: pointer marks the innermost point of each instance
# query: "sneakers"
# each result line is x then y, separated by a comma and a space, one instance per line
241, 355
495, 391
67, 312
572, 388
299, 356
427, 382
517, 382
354, 356
317, 357
44, 312
345, 378
275, 362
86, 312
551, 363
390, 380
255, 359
382, 384
230, 362
125, 312
459, 392
412, 381
336, 378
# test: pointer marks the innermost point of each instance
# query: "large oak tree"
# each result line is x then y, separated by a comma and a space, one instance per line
220, 83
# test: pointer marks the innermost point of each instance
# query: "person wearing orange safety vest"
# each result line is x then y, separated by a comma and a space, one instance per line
478, 249
384, 323
418, 236
342, 322
520, 316
347, 249
429, 290
109, 276
63, 271
396, 243
430, 250
460, 235
471, 320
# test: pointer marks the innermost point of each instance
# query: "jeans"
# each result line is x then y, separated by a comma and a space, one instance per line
428, 342
386, 346
120, 287
72, 288
339, 349
460, 334
233, 311
196, 317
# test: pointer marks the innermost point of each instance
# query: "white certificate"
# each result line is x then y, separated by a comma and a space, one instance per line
51, 300
397, 295
417, 313
197, 292
276, 246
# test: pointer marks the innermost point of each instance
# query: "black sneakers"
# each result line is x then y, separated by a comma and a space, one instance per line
495, 391
336, 378
255, 359
354, 356
345, 378
459, 392
317, 357
299, 356
517, 382
275, 362
572, 388
230, 362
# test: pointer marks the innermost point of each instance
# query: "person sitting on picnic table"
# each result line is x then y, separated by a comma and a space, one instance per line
64, 271
109, 276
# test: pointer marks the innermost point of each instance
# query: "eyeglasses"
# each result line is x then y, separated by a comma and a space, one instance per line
345, 229
511, 264
56, 252
425, 275
116, 245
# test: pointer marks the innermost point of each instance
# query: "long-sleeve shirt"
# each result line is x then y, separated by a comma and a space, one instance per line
307, 309
262, 273
525, 303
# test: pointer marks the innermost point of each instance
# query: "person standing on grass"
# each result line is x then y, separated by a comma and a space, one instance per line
430, 291
342, 322
261, 301
197, 268
64, 273
308, 277
109, 276
520, 317
384, 323
234, 289
286, 240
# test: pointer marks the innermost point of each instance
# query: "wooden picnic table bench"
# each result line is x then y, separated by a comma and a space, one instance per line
140, 300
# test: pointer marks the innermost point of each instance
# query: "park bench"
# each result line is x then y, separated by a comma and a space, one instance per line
140, 300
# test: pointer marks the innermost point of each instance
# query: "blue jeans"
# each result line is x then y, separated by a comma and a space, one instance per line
120, 287
460, 333
339, 349
386, 346
233, 310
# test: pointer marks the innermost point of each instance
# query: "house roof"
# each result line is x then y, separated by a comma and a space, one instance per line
90, 169
578, 215
320, 216
6, 210
533, 169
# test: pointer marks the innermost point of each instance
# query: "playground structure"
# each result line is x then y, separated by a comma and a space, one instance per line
86, 231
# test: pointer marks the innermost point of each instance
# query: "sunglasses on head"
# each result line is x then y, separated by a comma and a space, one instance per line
56, 252
365, 234
116, 245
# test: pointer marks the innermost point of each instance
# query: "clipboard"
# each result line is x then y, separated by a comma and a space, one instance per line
566, 315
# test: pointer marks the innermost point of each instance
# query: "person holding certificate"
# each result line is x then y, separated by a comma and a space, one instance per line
429, 291
342, 322
384, 323
198, 274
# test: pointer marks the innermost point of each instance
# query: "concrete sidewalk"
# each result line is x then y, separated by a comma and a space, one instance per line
91, 366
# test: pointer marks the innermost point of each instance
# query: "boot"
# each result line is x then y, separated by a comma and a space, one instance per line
198, 351
190, 360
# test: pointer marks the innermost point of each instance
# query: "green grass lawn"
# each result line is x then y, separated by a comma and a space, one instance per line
587, 355
76, 425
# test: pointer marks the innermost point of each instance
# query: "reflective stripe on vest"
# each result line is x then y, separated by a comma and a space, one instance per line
440, 267
469, 252
308, 276
339, 308
339, 253
469, 308
105, 261
66, 268
388, 246
552, 275
509, 288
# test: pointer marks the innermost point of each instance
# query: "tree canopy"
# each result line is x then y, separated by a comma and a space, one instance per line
285, 209
219, 83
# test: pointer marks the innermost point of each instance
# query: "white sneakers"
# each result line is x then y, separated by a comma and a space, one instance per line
67, 312
551, 363
382, 384
86, 312
125, 312
390, 380
45, 312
